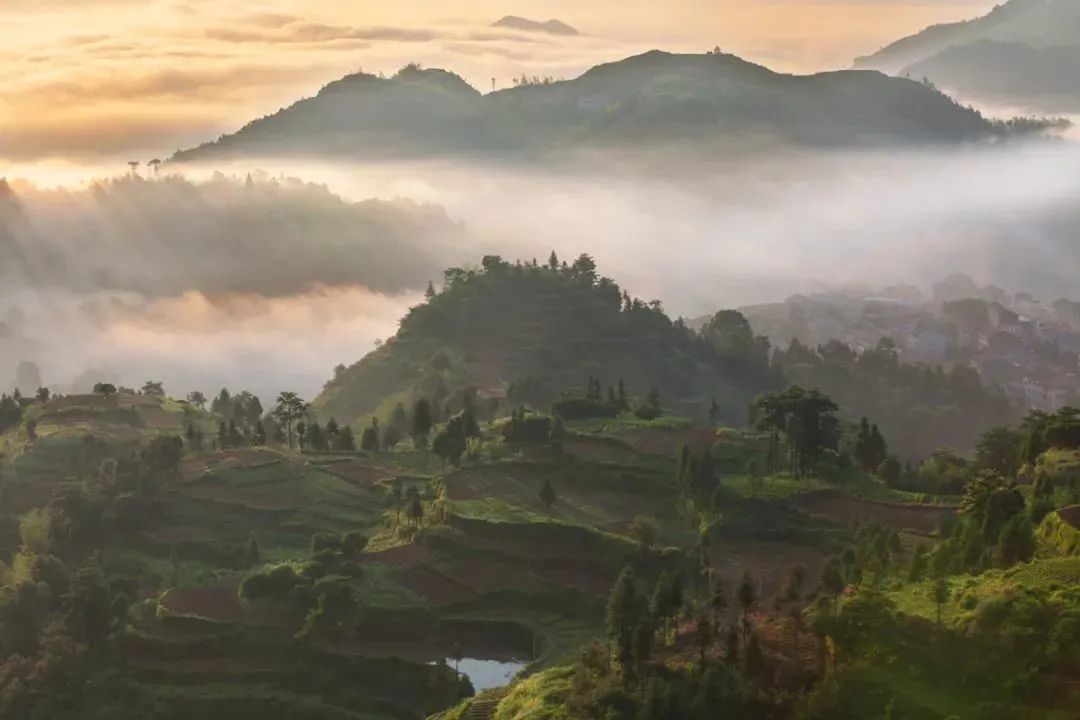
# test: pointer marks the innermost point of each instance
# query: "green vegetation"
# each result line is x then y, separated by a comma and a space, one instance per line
225, 558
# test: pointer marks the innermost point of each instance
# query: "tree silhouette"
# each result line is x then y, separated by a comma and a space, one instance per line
288, 410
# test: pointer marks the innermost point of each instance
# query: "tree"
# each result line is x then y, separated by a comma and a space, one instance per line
133, 167
832, 579
719, 601
347, 442
287, 411
197, 399
258, 438
457, 656
369, 441
397, 492
421, 422
917, 569
747, 596
89, 607
890, 471
104, 389
704, 633
415, 510
1016, 542
870, 449
714, 412
940, 592
998, 451
547, 494
152, 387
624, 611
155, 165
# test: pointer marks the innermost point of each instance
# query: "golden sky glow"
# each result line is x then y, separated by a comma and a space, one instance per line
80, 78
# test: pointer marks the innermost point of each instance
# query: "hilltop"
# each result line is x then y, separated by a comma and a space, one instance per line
525, 332
712, 101
552, 27
1020, 52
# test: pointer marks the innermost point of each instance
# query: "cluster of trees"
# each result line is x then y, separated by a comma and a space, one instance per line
626, 676
806, 420
13, 407
918, 407
56, 604
870, 449
530, 427
594, 404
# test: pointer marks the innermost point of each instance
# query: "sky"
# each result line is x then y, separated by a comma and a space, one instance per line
103, 79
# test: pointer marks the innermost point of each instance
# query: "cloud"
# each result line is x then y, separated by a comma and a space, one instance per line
304, 32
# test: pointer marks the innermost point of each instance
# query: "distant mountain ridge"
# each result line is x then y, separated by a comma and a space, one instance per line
707, 101
553, 26
1022, 52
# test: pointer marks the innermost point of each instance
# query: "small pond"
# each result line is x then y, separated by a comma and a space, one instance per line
487, 674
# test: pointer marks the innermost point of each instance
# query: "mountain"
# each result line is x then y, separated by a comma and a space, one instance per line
552, 27
713, 101
1021, 51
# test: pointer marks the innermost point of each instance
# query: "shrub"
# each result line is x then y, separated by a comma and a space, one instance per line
584, 409
325, 541
353, 542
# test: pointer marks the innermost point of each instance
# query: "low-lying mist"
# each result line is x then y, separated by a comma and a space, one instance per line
207, 280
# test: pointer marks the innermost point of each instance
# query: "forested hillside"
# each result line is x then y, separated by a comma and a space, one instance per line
524, 332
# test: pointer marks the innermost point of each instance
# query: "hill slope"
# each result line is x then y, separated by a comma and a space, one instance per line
1021, 52
657, 97
1039, 23
1008, 72
549, 327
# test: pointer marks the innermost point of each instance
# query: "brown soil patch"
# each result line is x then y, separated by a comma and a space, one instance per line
578, 575
432, 585
845, 510
214, 603
483, 576
356, 473
276, 496
597, 449
769, 563
659, 441
402, 557
1070, 516
239, 459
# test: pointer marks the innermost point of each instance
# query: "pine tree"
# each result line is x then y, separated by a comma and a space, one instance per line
748, 598
421, 422
623, 613
348, 444
940, 595
547, 494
